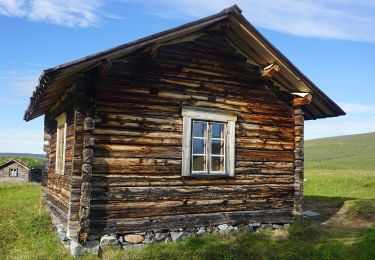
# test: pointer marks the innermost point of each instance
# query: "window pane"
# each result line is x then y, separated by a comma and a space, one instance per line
217, 147
217, 163
199, 163
199, 146
199, 128
217, 130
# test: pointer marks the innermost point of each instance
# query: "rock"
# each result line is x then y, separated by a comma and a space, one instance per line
93, 237
224, 227
76, 249
310, 214
168, 239
160, 236
201, 231
275, 226
62, 236
177, 236
249, 227
135, 246
135, 239
265, 226
92, 247
255, 225
108, 240
126, 244
149, 238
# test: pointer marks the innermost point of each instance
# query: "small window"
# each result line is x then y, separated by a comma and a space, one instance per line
13, 172
208, 147
208, 142
60, 144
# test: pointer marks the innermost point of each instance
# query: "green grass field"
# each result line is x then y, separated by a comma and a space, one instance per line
343, 192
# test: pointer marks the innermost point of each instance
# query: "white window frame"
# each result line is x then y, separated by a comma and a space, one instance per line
60, 132
190, 114
11, 170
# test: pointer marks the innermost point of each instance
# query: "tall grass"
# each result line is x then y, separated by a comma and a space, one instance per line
26, 233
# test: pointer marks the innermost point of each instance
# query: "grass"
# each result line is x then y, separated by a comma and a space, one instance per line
351, 152
26, 233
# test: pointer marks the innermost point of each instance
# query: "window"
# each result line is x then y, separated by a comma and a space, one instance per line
13, 172
208, 142
60, 144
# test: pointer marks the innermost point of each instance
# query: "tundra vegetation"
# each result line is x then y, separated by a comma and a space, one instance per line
339, 184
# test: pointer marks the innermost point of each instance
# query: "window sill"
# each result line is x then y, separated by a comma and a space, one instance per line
206, 176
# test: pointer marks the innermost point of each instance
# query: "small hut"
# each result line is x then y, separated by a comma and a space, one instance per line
14, 170
196, 126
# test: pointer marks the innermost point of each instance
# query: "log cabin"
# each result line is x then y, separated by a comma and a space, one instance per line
14, 171
198, 125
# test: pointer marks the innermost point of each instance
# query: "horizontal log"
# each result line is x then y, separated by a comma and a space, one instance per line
129, 225
117, 211
144, 180
189, 192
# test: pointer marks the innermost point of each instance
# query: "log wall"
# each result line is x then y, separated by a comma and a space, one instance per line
136, 180
58, 185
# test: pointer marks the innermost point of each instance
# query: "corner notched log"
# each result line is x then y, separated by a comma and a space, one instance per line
301, 99
269, 71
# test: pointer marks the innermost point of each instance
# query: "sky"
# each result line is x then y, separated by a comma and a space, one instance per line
331, 41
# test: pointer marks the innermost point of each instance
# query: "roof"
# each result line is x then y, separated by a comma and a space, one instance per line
55, 81
13, 161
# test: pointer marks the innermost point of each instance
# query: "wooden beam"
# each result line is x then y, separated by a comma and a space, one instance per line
270, 70
301, 99
105, 67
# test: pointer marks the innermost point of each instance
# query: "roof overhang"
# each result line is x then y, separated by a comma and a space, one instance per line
55, 81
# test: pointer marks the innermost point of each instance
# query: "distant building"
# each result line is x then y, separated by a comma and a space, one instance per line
14, 170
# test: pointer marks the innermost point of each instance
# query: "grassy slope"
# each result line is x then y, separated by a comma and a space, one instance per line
352, 152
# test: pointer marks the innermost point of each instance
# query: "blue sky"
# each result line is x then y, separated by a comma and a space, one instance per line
331, 41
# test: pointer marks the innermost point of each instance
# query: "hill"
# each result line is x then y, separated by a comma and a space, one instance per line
350, 152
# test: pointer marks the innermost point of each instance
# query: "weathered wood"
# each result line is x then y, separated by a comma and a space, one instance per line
298, 163
128, 225
302, 99
270, 70
126, 143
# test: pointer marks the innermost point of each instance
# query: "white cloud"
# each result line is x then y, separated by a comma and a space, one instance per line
359, 119
20, 82
69, 13
338, 19
338, 126
357, 108
28, 140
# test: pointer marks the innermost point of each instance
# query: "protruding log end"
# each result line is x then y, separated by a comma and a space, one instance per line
269, 71
302, 99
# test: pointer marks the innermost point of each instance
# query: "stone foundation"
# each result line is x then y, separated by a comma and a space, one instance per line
94, 243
